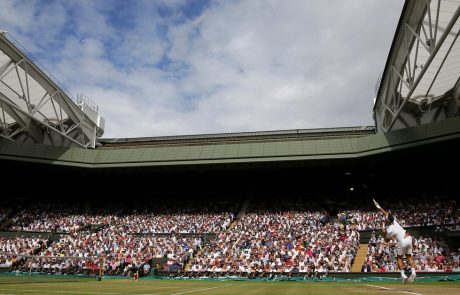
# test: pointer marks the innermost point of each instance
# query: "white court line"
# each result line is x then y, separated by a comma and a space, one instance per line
192, 291
383, 288
401, 291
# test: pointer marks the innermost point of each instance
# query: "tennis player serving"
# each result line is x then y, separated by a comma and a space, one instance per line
392, 230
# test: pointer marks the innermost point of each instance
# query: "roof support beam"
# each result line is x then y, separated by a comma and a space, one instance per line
22, 87
421, 67
452, 22
25, 119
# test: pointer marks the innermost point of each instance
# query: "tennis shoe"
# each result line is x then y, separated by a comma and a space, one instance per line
411, 279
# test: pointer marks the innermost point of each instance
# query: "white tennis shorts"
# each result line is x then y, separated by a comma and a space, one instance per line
404, 247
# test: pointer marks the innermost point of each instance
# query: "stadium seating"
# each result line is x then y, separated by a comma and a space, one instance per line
271, 237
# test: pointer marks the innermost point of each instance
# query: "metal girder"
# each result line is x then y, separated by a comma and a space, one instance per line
28, 122
29, 95
7, 106
424, 48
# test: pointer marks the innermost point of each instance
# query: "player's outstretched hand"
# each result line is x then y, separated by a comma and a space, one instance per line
376, 204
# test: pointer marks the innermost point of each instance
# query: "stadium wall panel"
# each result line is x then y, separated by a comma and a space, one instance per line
246, 152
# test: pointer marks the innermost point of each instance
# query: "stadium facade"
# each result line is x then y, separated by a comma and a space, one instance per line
413, 145
47, 137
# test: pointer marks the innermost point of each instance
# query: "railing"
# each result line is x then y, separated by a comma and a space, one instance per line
36, 62
83, 99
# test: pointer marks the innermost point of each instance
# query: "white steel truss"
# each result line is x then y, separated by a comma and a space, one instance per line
421, 79
33, 108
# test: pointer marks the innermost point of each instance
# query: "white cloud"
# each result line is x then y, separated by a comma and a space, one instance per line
239, 66
32, 21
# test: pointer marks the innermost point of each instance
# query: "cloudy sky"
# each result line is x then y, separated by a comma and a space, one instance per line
170, 67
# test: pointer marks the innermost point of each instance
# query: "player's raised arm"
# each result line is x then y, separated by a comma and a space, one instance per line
380, 208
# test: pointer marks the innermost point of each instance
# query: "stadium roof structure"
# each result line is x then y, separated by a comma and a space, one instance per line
223, 138
35, 107
421, 80
417, 104
186, 150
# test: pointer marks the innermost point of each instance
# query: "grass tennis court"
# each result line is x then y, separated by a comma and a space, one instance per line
11, 285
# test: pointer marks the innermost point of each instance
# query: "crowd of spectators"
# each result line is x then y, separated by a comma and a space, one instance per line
122, 252
273, 237
288, 241
430, 255
173, 223
128, 239
420, 211
157, 218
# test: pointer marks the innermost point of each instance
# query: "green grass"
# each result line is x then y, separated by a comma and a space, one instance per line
14, 285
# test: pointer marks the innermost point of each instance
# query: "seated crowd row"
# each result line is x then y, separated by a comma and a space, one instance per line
198, 217
296, 237
430, 255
